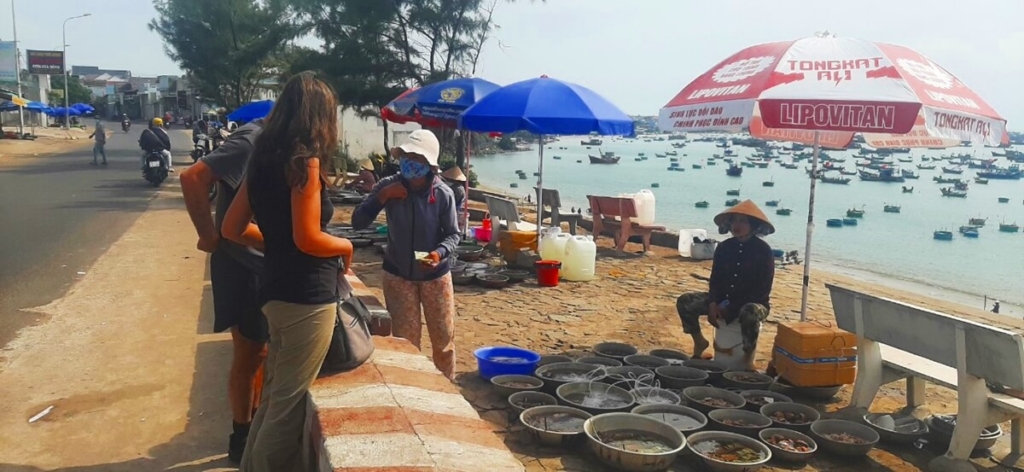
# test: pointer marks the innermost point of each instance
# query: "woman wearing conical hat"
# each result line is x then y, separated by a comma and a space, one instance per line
456, 180
366, 180
741, 281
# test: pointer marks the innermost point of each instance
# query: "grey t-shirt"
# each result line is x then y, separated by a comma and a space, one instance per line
228, 163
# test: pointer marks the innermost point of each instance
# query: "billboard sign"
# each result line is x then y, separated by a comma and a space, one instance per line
8, 61
45, 62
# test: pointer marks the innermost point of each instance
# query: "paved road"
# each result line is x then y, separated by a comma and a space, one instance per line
59, 213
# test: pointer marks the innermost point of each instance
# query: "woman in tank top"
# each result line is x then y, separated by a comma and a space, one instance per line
285, 191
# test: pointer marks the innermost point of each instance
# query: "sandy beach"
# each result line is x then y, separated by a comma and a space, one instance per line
633, 301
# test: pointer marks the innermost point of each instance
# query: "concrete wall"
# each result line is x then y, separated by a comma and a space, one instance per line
361, 136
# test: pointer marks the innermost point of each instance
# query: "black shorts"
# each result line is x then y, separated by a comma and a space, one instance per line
236, 298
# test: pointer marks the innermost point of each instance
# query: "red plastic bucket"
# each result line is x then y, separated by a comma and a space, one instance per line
547, 272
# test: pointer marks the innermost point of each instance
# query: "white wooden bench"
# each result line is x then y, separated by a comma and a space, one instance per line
896, 340
505, 212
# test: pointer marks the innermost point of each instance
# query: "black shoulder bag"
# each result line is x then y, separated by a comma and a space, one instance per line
352, 343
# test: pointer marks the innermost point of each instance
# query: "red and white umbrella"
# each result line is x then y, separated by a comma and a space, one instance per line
822, 90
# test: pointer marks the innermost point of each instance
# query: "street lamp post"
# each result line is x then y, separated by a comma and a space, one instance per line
64, 41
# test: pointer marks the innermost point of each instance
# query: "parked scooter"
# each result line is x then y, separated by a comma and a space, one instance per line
154, 168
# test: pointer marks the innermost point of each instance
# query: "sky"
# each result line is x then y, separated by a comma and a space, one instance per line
637, 53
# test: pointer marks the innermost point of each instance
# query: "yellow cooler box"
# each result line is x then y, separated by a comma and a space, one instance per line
813, 354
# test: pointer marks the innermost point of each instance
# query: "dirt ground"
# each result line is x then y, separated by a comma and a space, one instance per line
633, 301
49, 141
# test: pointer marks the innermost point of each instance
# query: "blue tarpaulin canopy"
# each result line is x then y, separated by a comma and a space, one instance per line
546, 106
251, 111
61, 111
84, 108
32, 106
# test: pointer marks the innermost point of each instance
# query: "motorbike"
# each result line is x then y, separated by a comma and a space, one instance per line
200, 148
125, 125
154, 168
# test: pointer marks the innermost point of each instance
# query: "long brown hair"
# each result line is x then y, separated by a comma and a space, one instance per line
303, 124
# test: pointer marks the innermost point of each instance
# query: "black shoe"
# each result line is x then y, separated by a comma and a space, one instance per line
104, 162
236, 442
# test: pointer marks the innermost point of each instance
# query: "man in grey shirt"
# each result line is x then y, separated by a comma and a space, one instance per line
234, 272
100, 134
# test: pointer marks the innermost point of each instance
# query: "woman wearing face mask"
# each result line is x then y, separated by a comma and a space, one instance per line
421, 214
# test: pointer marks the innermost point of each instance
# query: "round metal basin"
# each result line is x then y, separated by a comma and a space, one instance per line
602, 428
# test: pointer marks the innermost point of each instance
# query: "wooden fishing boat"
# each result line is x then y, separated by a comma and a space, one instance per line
945, 180
855, 213
772, 203
591, 142
1013, 172
1004, 200
891, 208
981, 180
513, 185
655, 185
905, 159
671, 153
961, 185
747, 164
849, 221
733, 192
952, 192
926, 166
943, 235
659, 155
711, 163
604, 159
784, 211
1009, 228
969, 231
847, 172
977, 221
557, 158
734, 170
768, 183
883, 175
697, 166
674, 159
834, 223
732, 202
825, 179
908, 189
952, 170
909, 174
702, 204
761, 165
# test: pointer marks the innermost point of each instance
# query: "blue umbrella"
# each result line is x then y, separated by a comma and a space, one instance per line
546, 106
252, 111
84, 108
443, 100
32, 106
61, 111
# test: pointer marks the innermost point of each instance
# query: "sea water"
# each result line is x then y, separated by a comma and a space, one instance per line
891, 245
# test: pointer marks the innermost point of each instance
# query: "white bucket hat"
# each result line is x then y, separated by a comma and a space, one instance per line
424, 143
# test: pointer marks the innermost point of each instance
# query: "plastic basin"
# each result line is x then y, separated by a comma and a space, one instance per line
488, 367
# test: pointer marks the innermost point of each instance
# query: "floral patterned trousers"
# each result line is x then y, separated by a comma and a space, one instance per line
409, 302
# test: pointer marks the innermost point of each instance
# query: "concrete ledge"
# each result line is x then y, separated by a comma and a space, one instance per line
380, 319
397, 413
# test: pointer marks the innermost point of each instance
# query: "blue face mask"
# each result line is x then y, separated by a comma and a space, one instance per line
412, 169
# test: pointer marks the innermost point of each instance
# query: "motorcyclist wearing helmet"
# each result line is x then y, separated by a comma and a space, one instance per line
155, 139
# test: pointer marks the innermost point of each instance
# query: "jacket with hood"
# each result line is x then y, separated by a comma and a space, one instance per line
424, 221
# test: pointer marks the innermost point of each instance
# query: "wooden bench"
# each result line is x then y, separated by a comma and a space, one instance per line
896, 340
554, 200
605, 209
505, 211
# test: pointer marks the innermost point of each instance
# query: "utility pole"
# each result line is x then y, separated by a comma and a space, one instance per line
17, 72
64, 37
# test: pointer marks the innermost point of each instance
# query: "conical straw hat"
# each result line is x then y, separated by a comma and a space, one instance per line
747, 208
365, 164
455, 174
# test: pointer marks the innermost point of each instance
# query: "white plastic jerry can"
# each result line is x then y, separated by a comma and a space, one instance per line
580, 259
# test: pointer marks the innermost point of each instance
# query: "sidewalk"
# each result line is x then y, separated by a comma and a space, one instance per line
127, 359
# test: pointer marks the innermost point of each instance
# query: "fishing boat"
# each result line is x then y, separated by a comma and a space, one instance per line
522, 176
791, 165
702, 204
1004, 200
671, 153
1013, 172
891, 208
961, 185
883, 175
604, 159
733, 192
557, 158
747, 164
655, 185
761, 165
969, 231
847, 172
641, 154
977, 221
905, 159
945, 180
513, 185
981, 180
697, 166
825, 179
734, 170
711, 163
1009, 228
591, 142
659, 155
784, 211
855, 213
638, 159
908, 189
925, 158
952, 170
909, 174
981, 163
674, 159
943, 235
678, 145
926, 166
768, 183
849, 221
1014, 155
998, 153
772, 203
717, 156
952, 192
834, 223
732, 202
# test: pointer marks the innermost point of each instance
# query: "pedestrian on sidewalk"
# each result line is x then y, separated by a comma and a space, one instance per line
285, 189
235, 272
100, 134
421, 214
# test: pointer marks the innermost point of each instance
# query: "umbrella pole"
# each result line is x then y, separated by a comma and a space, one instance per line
465, 210
540, 184
810, 231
